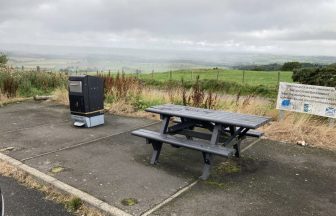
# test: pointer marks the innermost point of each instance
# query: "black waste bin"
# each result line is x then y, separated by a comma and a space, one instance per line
86, 97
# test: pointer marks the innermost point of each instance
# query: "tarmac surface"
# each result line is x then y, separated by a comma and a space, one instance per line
22, 201
112, 165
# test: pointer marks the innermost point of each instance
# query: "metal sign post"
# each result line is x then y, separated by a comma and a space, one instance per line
281, 115
331, 122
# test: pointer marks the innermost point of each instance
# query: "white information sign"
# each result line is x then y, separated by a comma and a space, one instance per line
316, 100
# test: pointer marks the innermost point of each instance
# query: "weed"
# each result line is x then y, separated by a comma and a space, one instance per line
56, 169
121, 87
129, 201
228, 167
73, 204
197, 95
215, 183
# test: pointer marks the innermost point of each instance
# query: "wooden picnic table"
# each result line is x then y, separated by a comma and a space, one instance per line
223, 135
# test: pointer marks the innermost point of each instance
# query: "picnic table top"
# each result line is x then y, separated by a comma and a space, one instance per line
215, 116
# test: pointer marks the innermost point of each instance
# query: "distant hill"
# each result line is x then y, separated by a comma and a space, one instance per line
102, 58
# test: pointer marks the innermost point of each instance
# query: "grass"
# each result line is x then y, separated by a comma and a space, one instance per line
73, 204
314, 130
228, 167
26, 84
267, 78
263, 83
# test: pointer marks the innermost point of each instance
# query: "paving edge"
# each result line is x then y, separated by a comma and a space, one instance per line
87, 198
169, 199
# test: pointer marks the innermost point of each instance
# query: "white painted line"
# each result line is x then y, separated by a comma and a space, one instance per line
65, 187
35, 126
169, 199
250, 145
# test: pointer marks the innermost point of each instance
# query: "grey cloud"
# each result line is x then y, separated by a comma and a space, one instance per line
182, 23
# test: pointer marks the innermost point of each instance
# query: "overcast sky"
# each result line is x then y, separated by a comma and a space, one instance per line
303, 27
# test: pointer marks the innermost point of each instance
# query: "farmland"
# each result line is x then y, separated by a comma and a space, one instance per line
268, 78
262, 83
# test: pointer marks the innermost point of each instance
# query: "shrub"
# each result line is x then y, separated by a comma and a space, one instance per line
289, 66
3, 59
324, 76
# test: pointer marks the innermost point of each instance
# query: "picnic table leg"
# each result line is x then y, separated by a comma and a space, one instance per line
158, 145
190, 128
237, 148
207, 157
165, 123
156, 151
207, 165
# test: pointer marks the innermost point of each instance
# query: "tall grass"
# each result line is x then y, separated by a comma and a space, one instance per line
121, 87
295, 127
25, 84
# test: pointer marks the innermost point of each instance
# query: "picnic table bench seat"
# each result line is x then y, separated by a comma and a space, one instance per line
183, 142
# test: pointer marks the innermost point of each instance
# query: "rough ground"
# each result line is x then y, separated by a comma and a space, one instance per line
110, 164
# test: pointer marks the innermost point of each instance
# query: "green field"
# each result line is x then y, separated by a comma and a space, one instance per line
262, 83
267, 78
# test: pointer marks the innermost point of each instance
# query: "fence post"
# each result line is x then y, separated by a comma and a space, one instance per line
109, 73
217, 74
278, 77
243, 76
